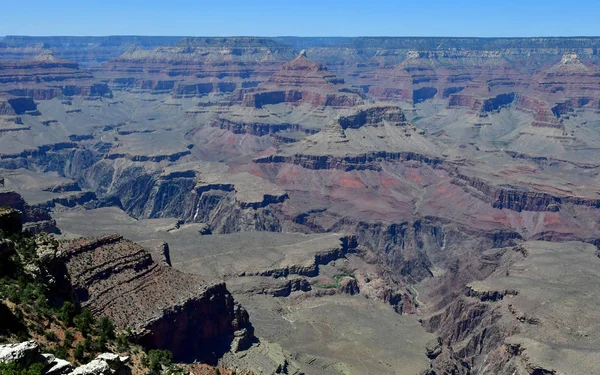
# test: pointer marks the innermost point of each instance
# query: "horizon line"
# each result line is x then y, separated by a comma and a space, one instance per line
300, 36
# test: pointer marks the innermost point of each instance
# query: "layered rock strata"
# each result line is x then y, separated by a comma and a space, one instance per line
303, 81
46, 76
169, 309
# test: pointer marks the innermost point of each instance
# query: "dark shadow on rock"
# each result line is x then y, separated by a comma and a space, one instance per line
9, 323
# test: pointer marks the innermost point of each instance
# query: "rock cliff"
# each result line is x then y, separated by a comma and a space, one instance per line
170, 310
303, 81
45, 77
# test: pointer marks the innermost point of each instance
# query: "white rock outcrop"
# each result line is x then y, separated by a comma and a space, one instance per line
24, 353
95, 367
59, 367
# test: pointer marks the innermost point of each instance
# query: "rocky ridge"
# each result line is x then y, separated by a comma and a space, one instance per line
303, 81
46, 76
118, 279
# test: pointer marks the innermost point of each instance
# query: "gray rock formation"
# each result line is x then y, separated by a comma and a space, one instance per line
59, 367
24, 353
119, 279
95, 367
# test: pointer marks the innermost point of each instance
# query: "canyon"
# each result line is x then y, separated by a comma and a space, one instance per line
318, 205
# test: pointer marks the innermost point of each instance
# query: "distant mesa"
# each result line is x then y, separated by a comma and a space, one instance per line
196, 67
45, 77
569, 64
361, 139
303, 81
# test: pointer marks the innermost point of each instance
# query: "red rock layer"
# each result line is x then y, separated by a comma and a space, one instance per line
303, 81
46, 77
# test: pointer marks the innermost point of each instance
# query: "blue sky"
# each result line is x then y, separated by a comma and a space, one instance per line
302, 18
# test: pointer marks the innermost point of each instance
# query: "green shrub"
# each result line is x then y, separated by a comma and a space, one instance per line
19, 314
68, 313
159, 358
99, 345
37, 328
88, 345
13, 295
177, 370
14, 369
84, 322
68, 339
61, 352
51, 336
122, 343
106, 328
79, 352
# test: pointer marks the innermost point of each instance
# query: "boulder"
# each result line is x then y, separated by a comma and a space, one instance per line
24, 353
115, 362
59, 367
95, 367
48, 358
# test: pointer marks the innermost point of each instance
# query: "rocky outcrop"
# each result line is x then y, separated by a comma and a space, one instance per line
217, 205
257, 128
303, 81
191, 89
523, 199
225, 203
497, 102
217, 320
197, 66
169, 309
311, 269
34, 219
24, 353
500, 324
45, 77
95, 367
361, 140
41, 151
544, 115
368, 161
440, 74
348, 285
28, 353
59, 367
12, 105
571, 77
489, 295
373, 116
